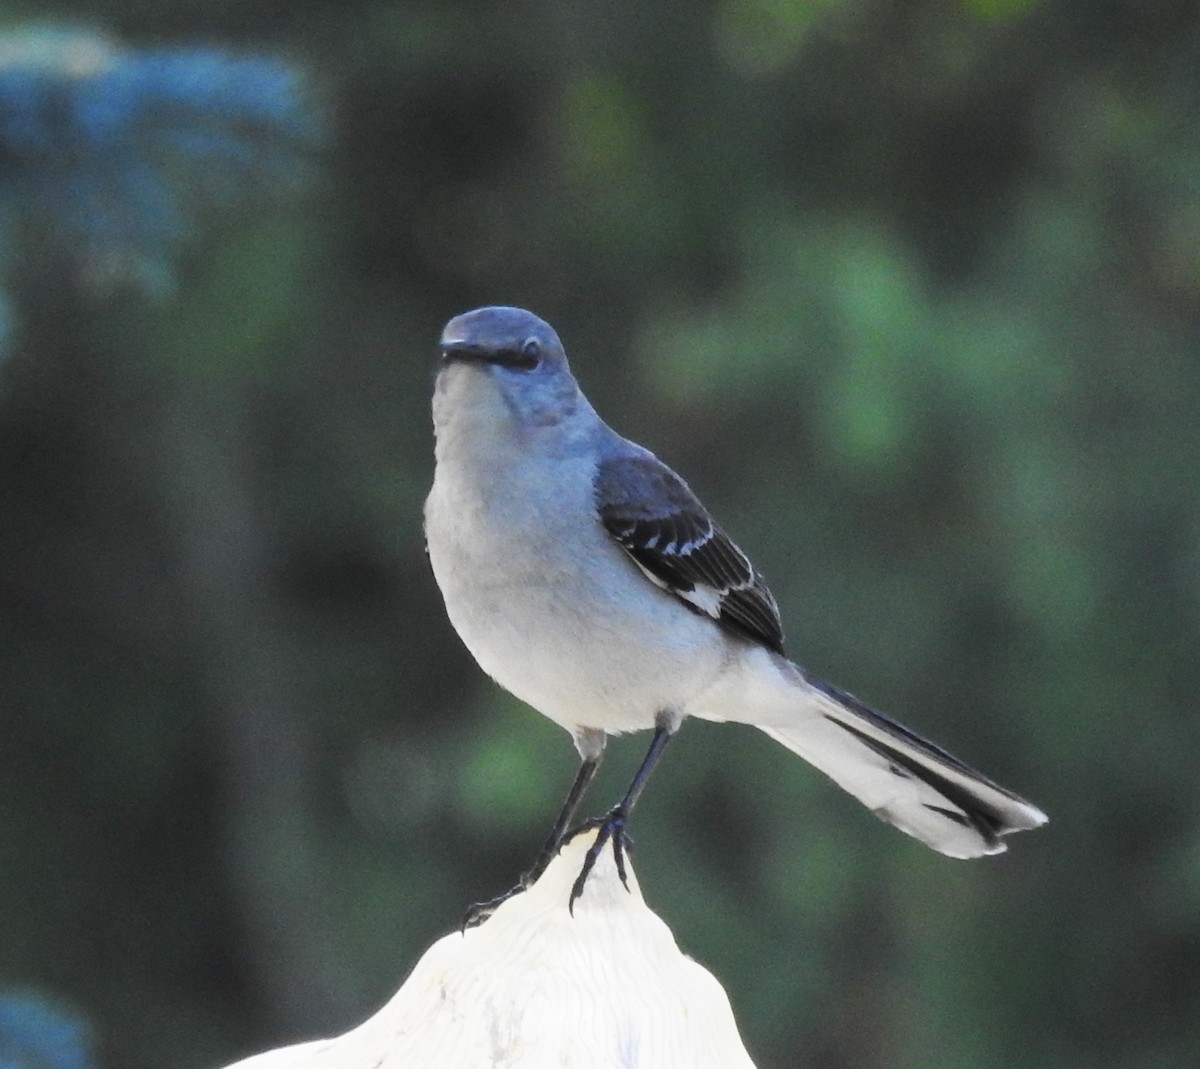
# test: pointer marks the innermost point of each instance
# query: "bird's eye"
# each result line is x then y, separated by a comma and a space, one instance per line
531, 353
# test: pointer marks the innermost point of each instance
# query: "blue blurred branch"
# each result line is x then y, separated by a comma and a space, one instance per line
37, 1034
111, 159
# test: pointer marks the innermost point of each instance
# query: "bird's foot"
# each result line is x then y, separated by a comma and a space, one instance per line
611, 829
479, 912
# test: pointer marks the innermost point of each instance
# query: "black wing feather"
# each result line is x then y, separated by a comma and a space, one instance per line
654, 516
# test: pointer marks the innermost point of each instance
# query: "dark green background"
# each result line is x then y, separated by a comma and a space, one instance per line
909, 290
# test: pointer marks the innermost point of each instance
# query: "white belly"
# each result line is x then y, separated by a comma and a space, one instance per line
561, 617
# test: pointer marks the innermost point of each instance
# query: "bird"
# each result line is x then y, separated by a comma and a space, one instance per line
586, 578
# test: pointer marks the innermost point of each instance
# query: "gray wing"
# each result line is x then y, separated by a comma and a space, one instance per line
653, 515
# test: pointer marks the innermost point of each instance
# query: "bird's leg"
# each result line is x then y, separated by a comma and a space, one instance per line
480, 911
587, 770
612, 825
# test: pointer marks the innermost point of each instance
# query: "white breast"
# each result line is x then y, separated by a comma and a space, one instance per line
546, 602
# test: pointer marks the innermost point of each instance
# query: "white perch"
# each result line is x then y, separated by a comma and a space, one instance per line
535, 987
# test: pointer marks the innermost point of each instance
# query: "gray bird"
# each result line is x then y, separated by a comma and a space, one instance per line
588, 580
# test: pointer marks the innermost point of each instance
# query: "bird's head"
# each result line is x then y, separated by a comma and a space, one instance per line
510, 338
507, 354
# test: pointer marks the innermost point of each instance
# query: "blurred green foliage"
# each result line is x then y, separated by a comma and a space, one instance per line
911, 294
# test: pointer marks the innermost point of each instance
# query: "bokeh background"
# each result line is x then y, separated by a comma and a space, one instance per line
908, 289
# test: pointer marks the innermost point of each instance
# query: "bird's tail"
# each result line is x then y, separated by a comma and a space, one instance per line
911, 783
903, 779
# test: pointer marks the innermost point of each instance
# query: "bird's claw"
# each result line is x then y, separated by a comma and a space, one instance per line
611, 828
479, 912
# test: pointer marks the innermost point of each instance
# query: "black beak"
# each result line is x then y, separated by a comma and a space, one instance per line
464, 351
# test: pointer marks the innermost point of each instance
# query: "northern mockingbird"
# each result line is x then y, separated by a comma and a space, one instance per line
586, 578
